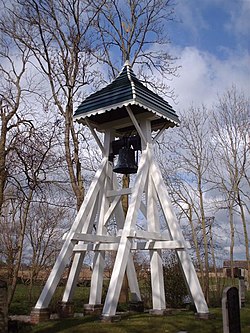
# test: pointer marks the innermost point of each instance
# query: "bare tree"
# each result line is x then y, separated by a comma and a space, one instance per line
56, 33
189, 157
44, 234
31, 160
13, 88
136, 30
184, 200
10, 229
231, 160
63, 36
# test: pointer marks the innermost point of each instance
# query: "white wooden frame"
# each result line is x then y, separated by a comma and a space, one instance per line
103, 201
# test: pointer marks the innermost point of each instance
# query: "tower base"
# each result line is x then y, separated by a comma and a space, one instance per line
39, 315
65, 309
92, 309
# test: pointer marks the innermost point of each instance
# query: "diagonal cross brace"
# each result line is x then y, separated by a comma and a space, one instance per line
67, 248
124, 248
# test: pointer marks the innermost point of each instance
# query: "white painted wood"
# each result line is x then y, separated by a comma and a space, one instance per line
73, 276
149, 245
104, 197
130, 270
111, 210
120, 192
141, 234
143, 209
78, 258
132, 279
95, 296
157, 282
171, 220
192, 282
157, 245
67, 248
145, 127
156, 265
176, 233
93, 132
136, 124
95, 238
159, 134
123, 252
99, 256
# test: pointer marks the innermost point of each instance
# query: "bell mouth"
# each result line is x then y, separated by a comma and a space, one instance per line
125, 171
126, 162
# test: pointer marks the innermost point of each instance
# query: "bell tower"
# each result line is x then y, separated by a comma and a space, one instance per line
131, 118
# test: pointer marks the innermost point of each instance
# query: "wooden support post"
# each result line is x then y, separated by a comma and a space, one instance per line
99, 256
156, 265
97, 278
67, 248
125, 243
78, 259
176, 234
131, 272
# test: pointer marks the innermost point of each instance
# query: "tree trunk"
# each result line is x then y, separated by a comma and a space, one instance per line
203, 224
231, 222
197, 250
75, 176
12, 287
243, 219
213, 254
3, 173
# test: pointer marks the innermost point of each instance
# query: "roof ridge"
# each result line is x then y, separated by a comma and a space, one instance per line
129, 71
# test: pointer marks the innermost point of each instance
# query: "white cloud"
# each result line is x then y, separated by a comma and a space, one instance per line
191, 17
239, 22
203, 76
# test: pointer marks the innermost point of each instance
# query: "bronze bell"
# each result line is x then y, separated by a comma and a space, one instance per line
126, 161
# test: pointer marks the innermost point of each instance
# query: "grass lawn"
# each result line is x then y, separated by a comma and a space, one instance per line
137, 323
21, 305
179, 320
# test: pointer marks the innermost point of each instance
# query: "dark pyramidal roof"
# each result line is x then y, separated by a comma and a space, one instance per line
107, 107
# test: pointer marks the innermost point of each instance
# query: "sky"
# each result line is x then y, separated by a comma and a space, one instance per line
212, 42
211, 39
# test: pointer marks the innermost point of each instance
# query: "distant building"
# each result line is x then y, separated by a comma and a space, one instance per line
240, 268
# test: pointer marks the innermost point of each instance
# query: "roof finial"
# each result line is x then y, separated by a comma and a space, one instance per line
127, 62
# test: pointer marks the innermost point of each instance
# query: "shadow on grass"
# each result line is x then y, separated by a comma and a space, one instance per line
129, 324
67, 325
137, 323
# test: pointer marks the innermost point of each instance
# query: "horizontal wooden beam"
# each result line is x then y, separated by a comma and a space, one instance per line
115, 193
158, 245
117, 124
95, 238
150, 245
142, 234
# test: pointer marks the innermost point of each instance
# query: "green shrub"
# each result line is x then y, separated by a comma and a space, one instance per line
175, 287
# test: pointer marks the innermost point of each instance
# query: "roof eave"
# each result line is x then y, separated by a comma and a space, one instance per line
81, 116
